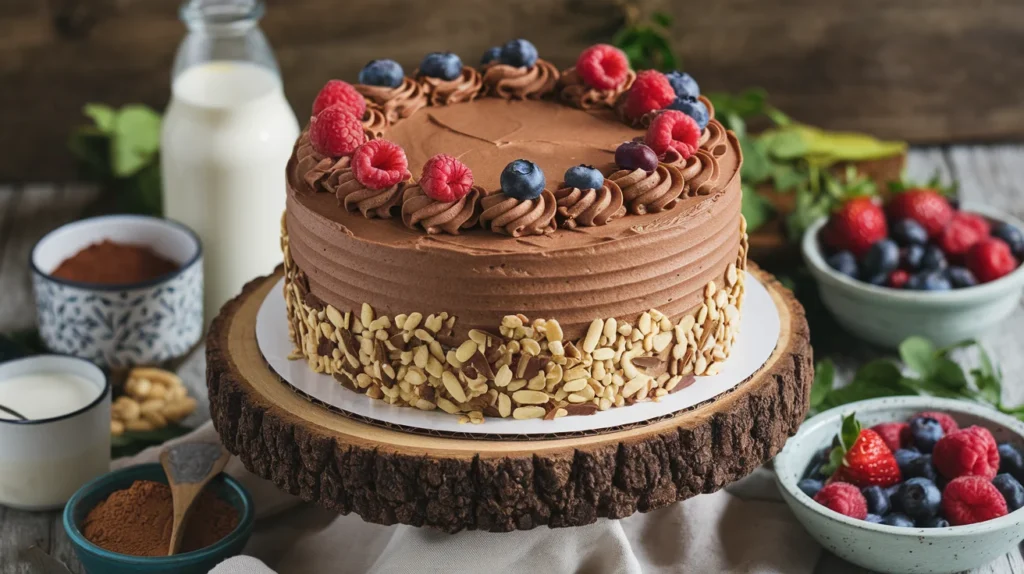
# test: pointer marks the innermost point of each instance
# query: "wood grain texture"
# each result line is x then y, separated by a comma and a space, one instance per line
454, 484
923, 70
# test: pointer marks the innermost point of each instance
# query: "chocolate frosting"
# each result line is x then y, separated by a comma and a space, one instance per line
308, 170
575, 92
520, 83
419, 209
397, 103
651, 192
374, 121
713, 138
589, 207
701, 173
440, 92
355, 196
511, 216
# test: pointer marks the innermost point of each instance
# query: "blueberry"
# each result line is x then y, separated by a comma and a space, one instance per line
912, 256
1012, 236
693, 108
934, 522
636, 155
1011, 461
894, 499
843, 262
929, 281
443, 65
384, 73
897, 519
810, 486
873, 518
519, 53
904, 457
491, 55
814, 471
584, 177
1011, 490
921, 467
683, 84
925, 432
909, 232
878, 500
961, 277
920, 498
934, 259
882, 257
522, 180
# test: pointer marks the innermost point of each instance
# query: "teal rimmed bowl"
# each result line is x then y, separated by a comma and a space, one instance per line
96, 560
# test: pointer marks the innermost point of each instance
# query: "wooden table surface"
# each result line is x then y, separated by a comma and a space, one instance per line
993, 175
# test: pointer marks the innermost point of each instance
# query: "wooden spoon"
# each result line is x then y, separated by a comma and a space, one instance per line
189, 466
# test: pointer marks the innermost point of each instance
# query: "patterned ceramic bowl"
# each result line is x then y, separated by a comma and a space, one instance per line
120, 325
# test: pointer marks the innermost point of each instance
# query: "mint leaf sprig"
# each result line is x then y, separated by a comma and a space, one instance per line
930, 372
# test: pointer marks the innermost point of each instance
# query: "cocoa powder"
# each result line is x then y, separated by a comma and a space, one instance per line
110, 263
138, 519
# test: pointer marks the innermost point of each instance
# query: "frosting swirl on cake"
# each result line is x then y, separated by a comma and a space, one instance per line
701, 173
308, 170
589, 207
374, 121
576, 92
713, 138
397, 103
441, 92
508, 215
651, 192
372, 203
419, 209
520, 83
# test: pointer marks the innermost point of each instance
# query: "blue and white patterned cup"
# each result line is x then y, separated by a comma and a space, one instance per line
120, 325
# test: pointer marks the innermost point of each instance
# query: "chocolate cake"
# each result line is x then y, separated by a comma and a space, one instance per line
426, 266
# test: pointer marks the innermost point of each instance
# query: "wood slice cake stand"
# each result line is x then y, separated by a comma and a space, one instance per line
388, 476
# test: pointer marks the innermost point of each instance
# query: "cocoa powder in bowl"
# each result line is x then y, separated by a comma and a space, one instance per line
111, 263
138, 519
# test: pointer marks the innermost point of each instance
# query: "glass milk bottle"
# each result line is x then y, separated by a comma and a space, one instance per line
227, 136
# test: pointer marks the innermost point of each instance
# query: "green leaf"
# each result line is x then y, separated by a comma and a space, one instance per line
835, 460
102, 116
824, 378
135, 141
755, 208
920, 355
881, 372
786, 177
860, 391
662, 19
949, 374
91, 149
850, 431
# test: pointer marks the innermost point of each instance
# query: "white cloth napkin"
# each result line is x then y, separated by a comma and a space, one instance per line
718, 532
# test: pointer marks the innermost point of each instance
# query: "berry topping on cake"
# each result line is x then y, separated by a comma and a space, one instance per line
967, 452
693, 108
584, 177
990, 259
522, 180
846, 499
972, 499
445, 178
603, 66
636, 155
335, 132
493, 54
384, 73
925, 206
519, 53
339, 93
683, 84
650, 92
379, 164
443, 65
673, 129
857, 225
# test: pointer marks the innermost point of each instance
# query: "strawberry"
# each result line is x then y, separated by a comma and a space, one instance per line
862, 458
925, 206
856, 226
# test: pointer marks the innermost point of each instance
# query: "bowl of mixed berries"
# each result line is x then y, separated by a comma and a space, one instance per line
918, 264
908, 484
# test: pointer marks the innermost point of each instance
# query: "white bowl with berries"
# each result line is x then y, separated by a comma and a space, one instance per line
908, 484
918, 265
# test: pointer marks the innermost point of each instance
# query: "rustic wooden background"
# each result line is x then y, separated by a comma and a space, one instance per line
922, 70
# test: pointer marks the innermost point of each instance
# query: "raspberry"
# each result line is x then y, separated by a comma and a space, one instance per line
603, 66
844, 498
335, 132
445, 178
990, 259
890, 433
338, 93
968, 452
975, 221
948, 423
673, 129
650, 92
971, 499
897, 279
957, 238
379, 164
